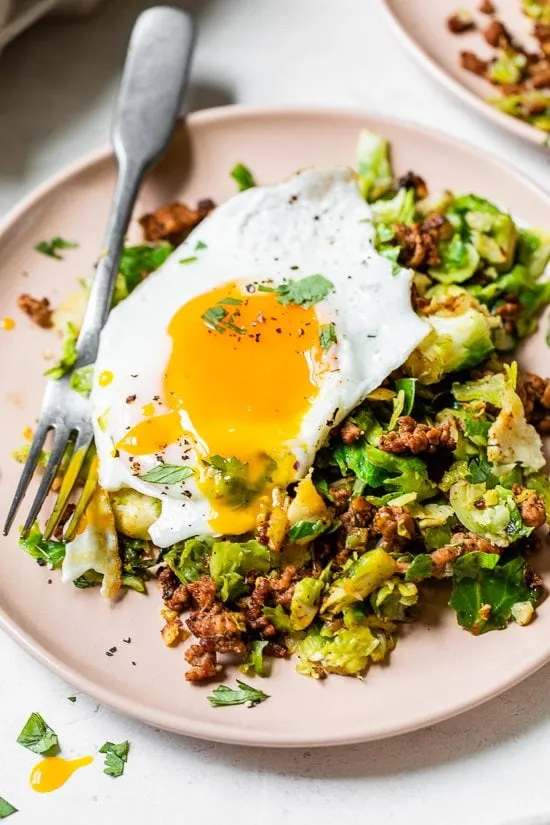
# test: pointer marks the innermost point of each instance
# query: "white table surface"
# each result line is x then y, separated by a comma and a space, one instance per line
489, 766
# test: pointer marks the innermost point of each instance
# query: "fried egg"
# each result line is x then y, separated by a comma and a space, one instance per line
228, 363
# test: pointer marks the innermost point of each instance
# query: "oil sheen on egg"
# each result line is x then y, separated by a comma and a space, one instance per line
206, 366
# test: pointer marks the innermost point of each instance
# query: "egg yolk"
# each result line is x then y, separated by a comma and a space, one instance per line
53, 771
245, 368
105, 378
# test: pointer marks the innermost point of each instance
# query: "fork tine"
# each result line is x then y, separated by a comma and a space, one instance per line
58, 448
26, 475
81, 447
85, 498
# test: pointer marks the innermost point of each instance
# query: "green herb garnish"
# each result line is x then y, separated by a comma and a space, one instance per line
38, 737
71, 699
6, 808
243, 695
421, 568
327, 336
305, 292
243, 176
51, 248
190, 260
138, 261
116, 757
167, 474
200, 245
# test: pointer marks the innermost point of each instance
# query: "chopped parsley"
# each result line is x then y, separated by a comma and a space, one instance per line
327, 336
37, 736
244, 694
243, 176
6, 808
167, 474
116, 757
190, 260
306, 292
139, 261
200, 245
51, 248
220, 320
71, 699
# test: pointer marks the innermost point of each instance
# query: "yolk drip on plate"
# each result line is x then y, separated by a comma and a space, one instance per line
245, 369
53, 771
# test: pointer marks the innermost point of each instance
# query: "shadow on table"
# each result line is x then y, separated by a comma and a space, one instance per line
505, 718
54, 74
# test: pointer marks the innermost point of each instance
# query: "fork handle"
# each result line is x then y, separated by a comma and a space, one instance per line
153, 83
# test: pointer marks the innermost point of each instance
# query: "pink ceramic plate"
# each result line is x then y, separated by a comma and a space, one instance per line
422, 27
438, 670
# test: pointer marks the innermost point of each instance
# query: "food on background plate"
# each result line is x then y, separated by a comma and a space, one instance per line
310, 408
520, 74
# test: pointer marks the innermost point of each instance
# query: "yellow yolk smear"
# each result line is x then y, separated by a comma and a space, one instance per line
245, 369
51, 773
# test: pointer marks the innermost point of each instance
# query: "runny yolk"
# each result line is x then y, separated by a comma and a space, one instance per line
51, 773
245, 370
105, 378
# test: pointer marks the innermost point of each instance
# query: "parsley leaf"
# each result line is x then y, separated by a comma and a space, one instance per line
6, 808
421, 568
242, 695
116, 757
243, 176
230, 301
213, 316
38, 737
45, 551
327, 336
480, 470
51, 248
71, 699
168, 474
305, 292
190, 260
138, 261
200, 245
486, 592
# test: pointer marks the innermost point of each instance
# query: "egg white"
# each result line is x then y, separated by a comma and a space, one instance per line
314, 223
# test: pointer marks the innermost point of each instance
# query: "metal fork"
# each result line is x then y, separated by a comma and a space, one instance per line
153, 84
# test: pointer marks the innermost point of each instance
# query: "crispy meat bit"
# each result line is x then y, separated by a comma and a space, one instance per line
203, 664
350, 432
419, 242
360, 513
487, 7
395, 525
531, 506
341, 496
541, 78
413, 438
174, 221
497, 35
472, 63
460, 22
534, 392
412, 181
220, 627
252, 608
38, 310
283, 587
203, 592
509, 312
175, 595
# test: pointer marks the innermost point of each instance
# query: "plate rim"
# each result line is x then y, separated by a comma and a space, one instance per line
510, 124
203, 729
